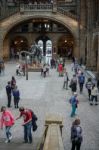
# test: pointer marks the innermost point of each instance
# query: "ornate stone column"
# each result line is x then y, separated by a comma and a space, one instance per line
89, 47
54, 6
1, 43
98, 55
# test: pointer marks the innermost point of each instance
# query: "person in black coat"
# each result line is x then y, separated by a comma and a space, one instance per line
8, 91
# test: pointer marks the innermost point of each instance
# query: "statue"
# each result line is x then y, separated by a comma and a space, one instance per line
36, 52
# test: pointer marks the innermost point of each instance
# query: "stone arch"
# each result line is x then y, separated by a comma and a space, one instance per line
66, 44
69, 23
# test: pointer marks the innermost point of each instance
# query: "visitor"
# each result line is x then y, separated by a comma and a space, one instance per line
66, 79
76, 135
60, 70
7, 120
13, 82
74, 104
16, 95
9, 93
89, 85
27, 117
94, 95
81, 81
73, 84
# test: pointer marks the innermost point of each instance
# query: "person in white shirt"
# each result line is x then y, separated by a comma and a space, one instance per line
94, 94
66, 79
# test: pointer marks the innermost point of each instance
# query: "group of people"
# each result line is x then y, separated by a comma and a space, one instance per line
20, 69
93, 92
8, 120
45, 70
78, 78
12, 89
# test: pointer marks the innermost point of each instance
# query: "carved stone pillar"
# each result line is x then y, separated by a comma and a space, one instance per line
1, 44
54, 6
89, 15
98, 55
30, 27
76, 52
89, 47
83, 13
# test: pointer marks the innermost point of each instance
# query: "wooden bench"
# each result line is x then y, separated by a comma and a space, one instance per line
53, 139
52, 136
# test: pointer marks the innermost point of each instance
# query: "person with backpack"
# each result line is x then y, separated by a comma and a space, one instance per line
7, 120
76, 135
73, 84
81, 81
74, 104
27, 117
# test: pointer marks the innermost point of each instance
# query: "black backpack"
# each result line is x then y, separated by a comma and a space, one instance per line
34, 124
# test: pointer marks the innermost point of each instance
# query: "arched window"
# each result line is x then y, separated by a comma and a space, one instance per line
40, 44
49, 48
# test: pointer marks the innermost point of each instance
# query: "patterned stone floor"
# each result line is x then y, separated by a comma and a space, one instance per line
46, 96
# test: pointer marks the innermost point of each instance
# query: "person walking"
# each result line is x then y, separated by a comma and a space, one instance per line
44, 70
89, 85
27, 117
81, 81
16, 95
73, 84
74, 104
76, 135
60, 70
66, 79
94, 94
13, 82
9, 92
7, 119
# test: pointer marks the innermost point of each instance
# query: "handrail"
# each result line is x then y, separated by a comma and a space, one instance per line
36, 7
7, 12
64, 12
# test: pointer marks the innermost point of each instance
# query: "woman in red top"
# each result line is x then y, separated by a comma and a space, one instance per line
7, 120
60, 69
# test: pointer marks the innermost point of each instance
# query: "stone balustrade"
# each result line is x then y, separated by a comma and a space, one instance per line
36, 7
67, 13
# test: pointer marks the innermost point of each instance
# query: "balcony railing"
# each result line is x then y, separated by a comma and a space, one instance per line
67, 13
36, 7
7, 12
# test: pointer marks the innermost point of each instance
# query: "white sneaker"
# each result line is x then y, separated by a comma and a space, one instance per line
6, 141
10, 137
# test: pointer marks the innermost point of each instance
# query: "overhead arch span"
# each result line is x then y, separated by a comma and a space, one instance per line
68, 22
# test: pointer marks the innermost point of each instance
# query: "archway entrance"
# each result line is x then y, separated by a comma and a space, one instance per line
45, 44
19, 43
66, 46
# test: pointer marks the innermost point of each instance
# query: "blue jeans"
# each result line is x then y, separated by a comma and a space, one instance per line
73, 110
8, 133
27, 132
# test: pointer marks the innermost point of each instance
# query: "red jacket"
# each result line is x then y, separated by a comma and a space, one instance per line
7, 119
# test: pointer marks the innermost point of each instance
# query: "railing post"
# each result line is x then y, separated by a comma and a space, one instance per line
21, 8
54, 6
